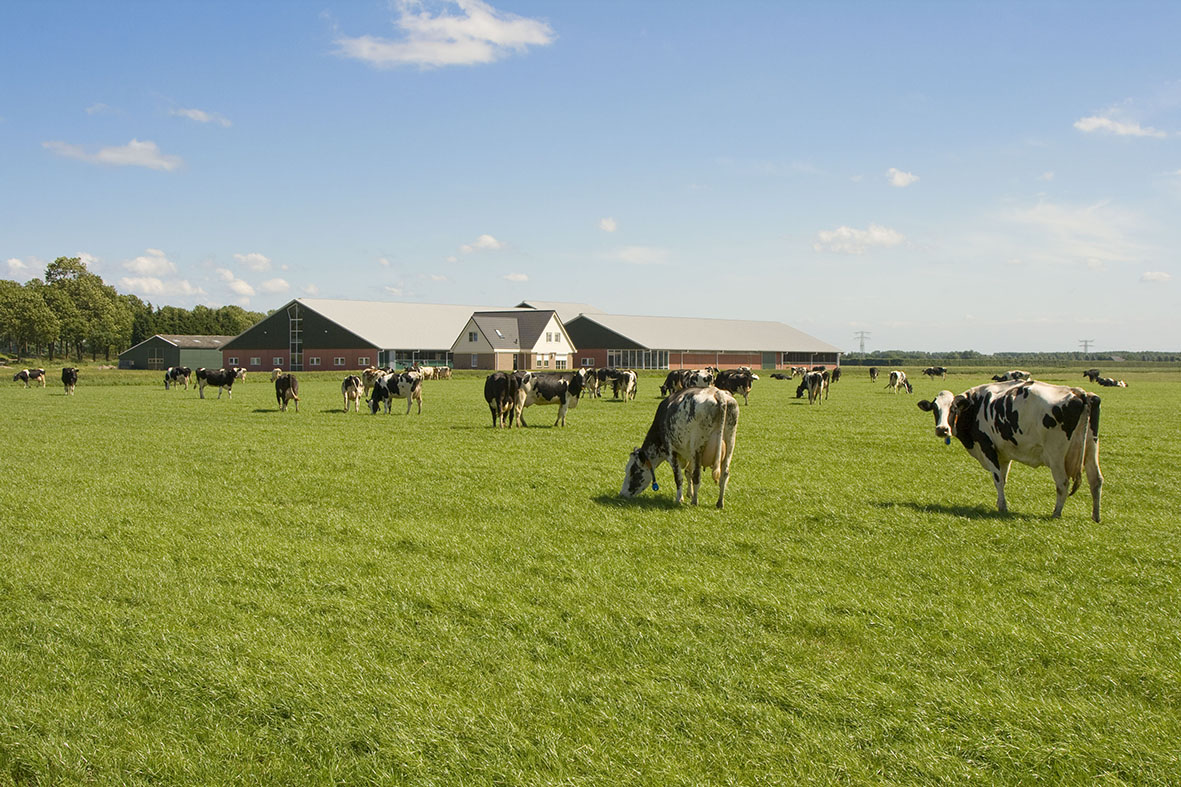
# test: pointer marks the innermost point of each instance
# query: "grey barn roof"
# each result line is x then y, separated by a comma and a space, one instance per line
398, 326
566, 310
500, 331
187, 341
703, 333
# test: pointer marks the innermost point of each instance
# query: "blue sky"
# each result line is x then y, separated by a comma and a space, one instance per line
1000, 176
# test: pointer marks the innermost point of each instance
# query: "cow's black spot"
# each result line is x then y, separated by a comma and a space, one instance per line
1048, 421
1071, 413
1094, 416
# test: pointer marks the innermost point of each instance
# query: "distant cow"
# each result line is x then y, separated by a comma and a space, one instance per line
1108, 382
873, 374
679, 379
898, 381
222, 379
442, 372
935, 371
836, 375
500, 392
693, 428
624, 383
27, 376
814, 384
69, 379
352, 389
799, 371
736, 382
550, 389
1092, 375
1031, 422
286, 390
407, 385
240, 372
1013, 375
603, 376
177, 375
369, 378
780, 376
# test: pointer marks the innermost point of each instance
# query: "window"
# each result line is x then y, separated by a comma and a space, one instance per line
277, 361
473, 337
498, 333
255, 360
560, 363
588, 361
557, 338
549, 337
338, 361
232, 360
539, 361
313, 360
475, 360
361, 361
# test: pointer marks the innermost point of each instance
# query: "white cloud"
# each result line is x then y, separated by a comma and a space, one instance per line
482, 243
850, 240
1155, 277
235, 285
133, 154
98, 108
642, 255
607, 224
201, 116
453, 258
89, 260
900, 179
153, 286
256, 262
153, 263
477, 34
1092, 234
436, 277
311, 289
383, 262
17, 267
515, 277
1119, 128
395, 291
275, 286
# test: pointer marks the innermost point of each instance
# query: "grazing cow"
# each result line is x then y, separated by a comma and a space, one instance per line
222, 379
736, 381
286, 390
1108, 382
27, 376
873, 374
679, 379
550, 389
500, 392
353, 390
240, 371
369, 378
1091, 374
625, 382
177, 375
799, 371
442, 372
1013, 375
898, 380
935, 371
693, 428
603, 375
427, 372
836, 374
407, 385
69, 379
1032, 423
815, 384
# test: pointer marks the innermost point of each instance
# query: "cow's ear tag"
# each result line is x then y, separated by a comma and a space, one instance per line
947, 441
655, 487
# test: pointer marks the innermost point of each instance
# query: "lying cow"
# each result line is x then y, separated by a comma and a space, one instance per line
222, 379
352, 389
780, 376
1032, 423
1013, 375
736, 381
286, 390
69, 379
550, 389
27, 376
500, 392
1108, 382
1091, 374
693, 428
873, 374
407, 385
935, 371
898, 380
177, 375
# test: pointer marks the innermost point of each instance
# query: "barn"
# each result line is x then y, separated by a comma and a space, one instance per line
635, 342
521, 338
164, 350
309, 334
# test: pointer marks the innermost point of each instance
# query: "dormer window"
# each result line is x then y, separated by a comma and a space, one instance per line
472, 336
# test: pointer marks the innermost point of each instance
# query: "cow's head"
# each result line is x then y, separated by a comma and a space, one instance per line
946, 406
638, 475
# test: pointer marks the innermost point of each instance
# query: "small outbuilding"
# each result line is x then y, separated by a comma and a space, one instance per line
164, 350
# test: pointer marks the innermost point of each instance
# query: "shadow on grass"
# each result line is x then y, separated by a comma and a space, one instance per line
655, 501
968, 512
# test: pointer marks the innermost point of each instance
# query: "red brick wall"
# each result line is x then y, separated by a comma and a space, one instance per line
598, 358
266, 358
678, 360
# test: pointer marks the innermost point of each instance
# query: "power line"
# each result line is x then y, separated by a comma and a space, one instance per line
862, 335
1086, 343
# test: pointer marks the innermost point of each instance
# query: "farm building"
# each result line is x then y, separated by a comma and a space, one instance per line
162, 351
566, 311
321, 333
633, 342
521, 338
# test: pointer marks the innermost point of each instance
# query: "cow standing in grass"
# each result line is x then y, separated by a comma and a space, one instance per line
27, 376
352, 389
500, 392
177, 375
736, 381
1092, 374
286, 390
550, 389
222, 379
873, 374
693, 428
898, 382
69, 379
407, 385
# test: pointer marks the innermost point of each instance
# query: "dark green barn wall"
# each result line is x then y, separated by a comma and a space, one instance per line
138, 357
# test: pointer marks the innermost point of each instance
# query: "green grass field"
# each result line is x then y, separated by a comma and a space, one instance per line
214, 592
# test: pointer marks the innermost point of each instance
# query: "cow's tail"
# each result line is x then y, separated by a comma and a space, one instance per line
1076, 450
720, 454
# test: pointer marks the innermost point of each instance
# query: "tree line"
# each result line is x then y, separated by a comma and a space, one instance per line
973, 358
73, 312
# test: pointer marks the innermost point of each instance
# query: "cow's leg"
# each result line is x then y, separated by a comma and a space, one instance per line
1094, 476
725, 476
201, 390
695, 479
999, 476
1061, 486
561, 415
678, 475
419, 400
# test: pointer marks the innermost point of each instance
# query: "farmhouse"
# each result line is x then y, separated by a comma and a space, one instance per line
164, 350
521, 338
633, 342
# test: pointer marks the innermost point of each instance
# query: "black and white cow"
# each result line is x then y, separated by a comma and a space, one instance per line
625, 383
799, 371
1108, 382
780, 376
1092, 374
1013, 375
815, 384
1030, 422
27, 376
550, 389
873, 374
736, 381
500, 392
222, 379
603, 376
353, 390
286, 390
387, 388
836, 375
693, 428
69, 379
898, 381
935, 371
177, 375
240, 371
679, 379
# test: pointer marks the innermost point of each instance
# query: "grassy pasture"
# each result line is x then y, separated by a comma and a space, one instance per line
216, 592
